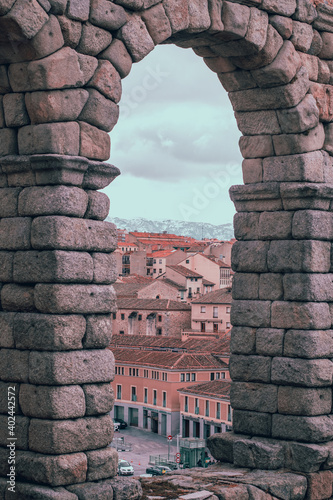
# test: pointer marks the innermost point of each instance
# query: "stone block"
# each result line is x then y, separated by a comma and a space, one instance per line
312, 224
6, 267
304, 401
14, 365
178, 14
259, 454
258, 146
306, 167
323, 22
249, 256
55, 105
52, 169
24, 490
327, 47
283, 7
302, 36
252, 171
237, 80
15, 111
74, 367
246, 226
305, 11
243, 340
9, 202
270, 286
284, 96
47, 41
17, 298
52, 200
107, 15
288, 144
98, 205
102, 464
316, 46
199, 16
8, 142
258, 122
21, 431
300, 315
308, 287
324, 98
52, 470
311, 63
235, 19
4, 82
219, 64
71, 31
5, 7
107, 81
250, 368
98, 331
66, 233
74, 299
320, 485
9, 390
305, 429
99, 398
253, 313
302, 372
42, 401
252, 423
221, 445
308, 344
94, 143
298, 256
157, 23
93, 40
303, 117
118, 56
136, 37
48, 332
307, 457
78, 10
53, 267
2, 115
99, 175
254, 397
245, 286
283, 25
100, 111
269, 341
105, 271
69, 436
328, 138
282, 70
59, 138
6, 329
27, 18
274, 225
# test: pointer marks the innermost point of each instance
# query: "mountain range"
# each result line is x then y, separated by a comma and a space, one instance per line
197, 230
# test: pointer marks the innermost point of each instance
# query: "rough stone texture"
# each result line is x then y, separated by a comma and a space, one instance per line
98, 331
99, 111
52, 200
59, 138
99, 398
56, 105
119, 57
102, 464
305, 429
107, 81
52, 402
250, 368
136, 38
304, 401
256, 397
301, 315
93, 40
94, 143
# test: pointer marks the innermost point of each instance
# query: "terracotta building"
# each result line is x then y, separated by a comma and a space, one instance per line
211, 268
211, 313
205, 409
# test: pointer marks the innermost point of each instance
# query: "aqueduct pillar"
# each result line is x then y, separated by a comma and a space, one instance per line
61, 64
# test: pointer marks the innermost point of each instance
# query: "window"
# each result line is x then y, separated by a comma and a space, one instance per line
154, 270
215, 327
140, 317
121, 332
145, 373
193, 377
212, 376
207, 408
118, 391
203, 309
116, 370
228, 325
186, 404
187, 261
122, 370
157, 296
154, 261
215, 312
182, 377
160, 271
164, 399
229, 413
218, 410
114, 315
198, 289
165, 376
222, 374
228, 309
160, 261
130, 372
217, 376
187, 377
154, 397
159, 331
203, 327
133, 392
145, 397
122, 316
160, 318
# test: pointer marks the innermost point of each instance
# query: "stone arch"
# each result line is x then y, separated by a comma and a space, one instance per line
61, 64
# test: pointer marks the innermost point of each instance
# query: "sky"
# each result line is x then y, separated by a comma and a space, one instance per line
176, 142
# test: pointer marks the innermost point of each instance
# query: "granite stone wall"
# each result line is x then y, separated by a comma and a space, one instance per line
61, 65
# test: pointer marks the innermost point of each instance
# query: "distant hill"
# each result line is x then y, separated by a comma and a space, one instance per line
197, 230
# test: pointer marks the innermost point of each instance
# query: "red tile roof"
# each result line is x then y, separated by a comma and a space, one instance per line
151, 304
185, 272
215, 389
169, 282
162, 253
221, 296
135, 278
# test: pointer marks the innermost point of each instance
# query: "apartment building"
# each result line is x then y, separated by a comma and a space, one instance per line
211, 313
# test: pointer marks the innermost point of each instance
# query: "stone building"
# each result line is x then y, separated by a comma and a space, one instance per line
61, 64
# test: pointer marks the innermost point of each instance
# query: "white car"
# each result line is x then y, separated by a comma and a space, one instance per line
125, 469
116, 426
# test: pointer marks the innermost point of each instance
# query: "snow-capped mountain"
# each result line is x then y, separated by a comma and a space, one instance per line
197, 230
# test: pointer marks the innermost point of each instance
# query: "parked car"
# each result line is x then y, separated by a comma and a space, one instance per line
125, 469
121, 422
116, 426
157, 470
